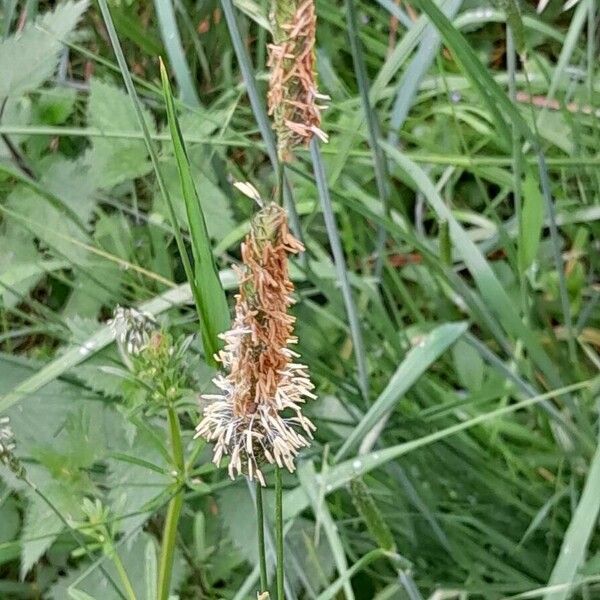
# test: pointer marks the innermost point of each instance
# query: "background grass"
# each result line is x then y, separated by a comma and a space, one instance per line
447, 301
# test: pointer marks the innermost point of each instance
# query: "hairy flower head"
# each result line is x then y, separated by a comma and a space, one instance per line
7, 448
257, 416
293, 97
133, 328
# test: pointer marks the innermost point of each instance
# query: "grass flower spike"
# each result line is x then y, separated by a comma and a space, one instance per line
293, 97
257, 416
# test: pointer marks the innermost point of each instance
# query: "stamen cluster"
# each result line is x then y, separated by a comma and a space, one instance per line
257, 415
293, 94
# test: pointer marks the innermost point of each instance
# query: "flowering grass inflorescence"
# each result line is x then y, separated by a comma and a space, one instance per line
293, 97
257, 416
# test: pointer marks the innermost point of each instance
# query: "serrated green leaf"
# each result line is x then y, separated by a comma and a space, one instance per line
10, 520
113, 161
21, 266
27, 59
42, 525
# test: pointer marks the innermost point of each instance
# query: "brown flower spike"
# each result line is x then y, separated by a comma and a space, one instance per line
258, 417
293, 94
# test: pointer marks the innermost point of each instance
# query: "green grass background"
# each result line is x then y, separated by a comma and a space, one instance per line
447, 302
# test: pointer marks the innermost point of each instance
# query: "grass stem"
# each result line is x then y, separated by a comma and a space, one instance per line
260, 526
279, 533
123, 575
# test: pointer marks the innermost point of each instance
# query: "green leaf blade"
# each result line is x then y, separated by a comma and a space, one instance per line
213, 309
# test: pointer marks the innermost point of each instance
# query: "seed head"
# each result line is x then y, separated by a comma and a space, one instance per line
133, 329
7, 447
293, 97
257, 415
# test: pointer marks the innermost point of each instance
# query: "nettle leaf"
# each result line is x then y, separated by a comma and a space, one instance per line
58, 225
10, 520
133, 485
17, 112
98, 373
55, 105
115, 160
42, 525
28, 58
96, 585
111, 234
62, 431
70, 181
21, 266
55, 224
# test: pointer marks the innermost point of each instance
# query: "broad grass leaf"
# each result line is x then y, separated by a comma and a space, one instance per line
151, 562
415, 363
577, 537
532, 221
213, 312
215, 204
28, 58
469, 365
76, 594
371, 515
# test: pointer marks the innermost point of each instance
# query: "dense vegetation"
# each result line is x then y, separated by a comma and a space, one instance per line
447, 301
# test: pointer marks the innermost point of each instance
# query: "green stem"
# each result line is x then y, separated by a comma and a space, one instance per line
123, 575
279, 532
173, 512
260, 525
280, 182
